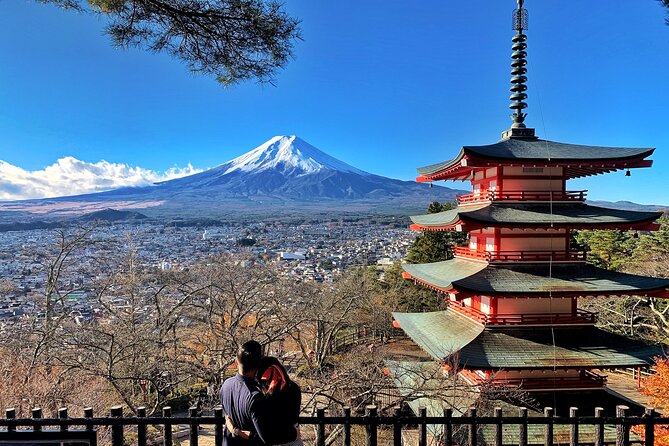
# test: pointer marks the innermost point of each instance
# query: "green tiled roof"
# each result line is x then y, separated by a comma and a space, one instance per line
536, 278
442, 334
575, 347
443, 274
540, 150
537, 214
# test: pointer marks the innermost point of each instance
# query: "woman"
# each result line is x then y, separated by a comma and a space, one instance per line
284, 398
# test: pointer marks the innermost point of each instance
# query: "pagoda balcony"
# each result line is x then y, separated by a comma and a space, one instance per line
572, 196
581, 317
518, 256
586, 380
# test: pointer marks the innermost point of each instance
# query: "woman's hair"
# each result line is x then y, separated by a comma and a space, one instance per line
273, 374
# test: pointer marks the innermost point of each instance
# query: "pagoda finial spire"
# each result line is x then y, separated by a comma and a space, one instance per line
518, 71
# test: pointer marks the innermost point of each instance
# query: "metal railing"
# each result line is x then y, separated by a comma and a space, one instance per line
451, 430
586, 380
523, 195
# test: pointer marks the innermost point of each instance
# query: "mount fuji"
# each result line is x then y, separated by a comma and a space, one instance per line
284, 175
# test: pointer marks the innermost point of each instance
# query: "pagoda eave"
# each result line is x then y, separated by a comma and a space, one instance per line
448, 336
461, 169
460, 293
538, 216
469, 278
466, 226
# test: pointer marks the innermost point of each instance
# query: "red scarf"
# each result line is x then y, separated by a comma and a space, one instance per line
275, 378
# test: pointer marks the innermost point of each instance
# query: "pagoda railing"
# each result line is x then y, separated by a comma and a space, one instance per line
586, 380
619, 428
581, 317
524, 195
519, 256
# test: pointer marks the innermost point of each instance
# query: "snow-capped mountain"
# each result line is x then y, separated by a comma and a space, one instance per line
289, 155
280, 176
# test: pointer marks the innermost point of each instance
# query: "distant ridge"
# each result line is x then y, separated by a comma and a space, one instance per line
283, 176
112, 215
629, 206
104, 216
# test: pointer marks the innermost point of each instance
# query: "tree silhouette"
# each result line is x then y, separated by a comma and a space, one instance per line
233, 40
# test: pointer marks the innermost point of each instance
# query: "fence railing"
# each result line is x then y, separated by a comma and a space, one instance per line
452, 430
581, 317
519, 256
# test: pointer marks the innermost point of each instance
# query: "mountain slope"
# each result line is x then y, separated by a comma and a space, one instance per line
285, 174
290, 168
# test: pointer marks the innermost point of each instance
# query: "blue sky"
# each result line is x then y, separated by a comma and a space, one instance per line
385, 86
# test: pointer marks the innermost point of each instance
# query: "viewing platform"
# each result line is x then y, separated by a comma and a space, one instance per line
574, 196
581, 317
464, 252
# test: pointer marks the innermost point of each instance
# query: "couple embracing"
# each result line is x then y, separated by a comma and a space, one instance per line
260, 402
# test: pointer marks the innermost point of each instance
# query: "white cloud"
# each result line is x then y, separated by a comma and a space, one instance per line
70, 176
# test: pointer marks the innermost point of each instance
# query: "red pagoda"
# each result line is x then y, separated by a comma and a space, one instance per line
513, 317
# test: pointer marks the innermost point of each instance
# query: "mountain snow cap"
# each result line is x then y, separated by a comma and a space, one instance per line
289, 154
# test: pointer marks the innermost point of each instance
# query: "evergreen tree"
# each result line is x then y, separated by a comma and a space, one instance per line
232, 40
435, 246
610, 249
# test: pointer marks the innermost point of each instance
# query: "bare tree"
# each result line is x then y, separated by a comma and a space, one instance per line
236, 298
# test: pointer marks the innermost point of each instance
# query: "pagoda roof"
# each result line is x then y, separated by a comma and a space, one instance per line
446, 334
533, 279
525, 215
516, 151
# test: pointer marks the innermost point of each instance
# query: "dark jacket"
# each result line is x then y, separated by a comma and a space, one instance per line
285, 407
245, 404
249, 410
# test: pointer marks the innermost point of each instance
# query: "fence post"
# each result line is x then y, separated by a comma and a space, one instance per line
472, 427
397, 428
573, 427
117, 429
347, 426
62, 414
167, 435
10, 414
599, 426
370, 414
194, 426
649, 414
548, 432
498, 426
622, 431
37, 414
422, 439
88, 413
522, 438
218, 426
320, 432
448, 427
141, 427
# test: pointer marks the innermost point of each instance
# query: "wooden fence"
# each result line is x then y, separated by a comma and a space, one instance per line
64, 429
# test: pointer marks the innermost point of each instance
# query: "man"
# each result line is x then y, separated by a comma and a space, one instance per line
243, 402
